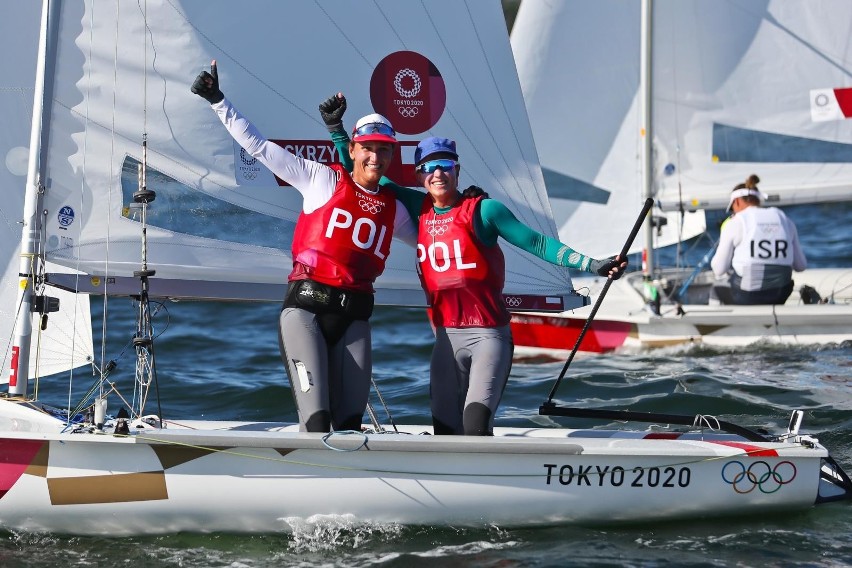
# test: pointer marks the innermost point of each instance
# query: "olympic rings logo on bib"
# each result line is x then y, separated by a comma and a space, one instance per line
758, 475
367, 207
437, 230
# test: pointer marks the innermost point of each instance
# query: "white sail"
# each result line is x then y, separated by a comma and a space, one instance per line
737, 87
221, 227
578, 64
66, 342
719, 119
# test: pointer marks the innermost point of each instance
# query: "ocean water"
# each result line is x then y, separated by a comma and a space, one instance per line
221, 361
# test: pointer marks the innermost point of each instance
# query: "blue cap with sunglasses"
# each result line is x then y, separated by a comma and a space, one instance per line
434, 145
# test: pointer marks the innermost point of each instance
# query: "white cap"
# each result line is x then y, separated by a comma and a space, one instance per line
373, 127
745, 192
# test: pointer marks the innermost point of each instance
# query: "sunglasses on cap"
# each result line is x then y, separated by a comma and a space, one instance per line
429, 167
375, 128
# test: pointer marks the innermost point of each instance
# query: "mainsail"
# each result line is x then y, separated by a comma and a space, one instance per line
221, 225
66, 341
756, 108
579, 67
738, 87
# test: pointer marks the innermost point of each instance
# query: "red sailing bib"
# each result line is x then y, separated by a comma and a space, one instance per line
462, 277
345, 242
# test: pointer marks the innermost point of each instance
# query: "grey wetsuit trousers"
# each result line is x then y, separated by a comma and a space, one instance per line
469, 370
330, 383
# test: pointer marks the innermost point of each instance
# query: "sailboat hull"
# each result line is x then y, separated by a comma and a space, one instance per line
262, 477
624, 323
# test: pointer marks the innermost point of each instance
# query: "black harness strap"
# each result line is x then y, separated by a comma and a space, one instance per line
335, 308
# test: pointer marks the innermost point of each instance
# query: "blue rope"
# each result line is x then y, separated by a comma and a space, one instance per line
325, 440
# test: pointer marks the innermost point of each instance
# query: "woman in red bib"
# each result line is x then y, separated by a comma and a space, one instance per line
463, 272
340, 244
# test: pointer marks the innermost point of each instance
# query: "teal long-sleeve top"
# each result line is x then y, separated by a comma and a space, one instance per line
492, 219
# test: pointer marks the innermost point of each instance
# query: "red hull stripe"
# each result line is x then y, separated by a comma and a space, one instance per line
561, 333
753, 451
15, 457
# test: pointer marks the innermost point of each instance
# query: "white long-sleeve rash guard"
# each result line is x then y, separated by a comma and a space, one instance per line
315, 181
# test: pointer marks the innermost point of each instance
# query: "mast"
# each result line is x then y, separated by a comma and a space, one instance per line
143, 340
646, 94
31, 233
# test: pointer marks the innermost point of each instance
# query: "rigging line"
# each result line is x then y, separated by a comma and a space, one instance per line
374, 420
105, 300
256, 77
451, 59
503, 105
165, 114
152, 368
384, 404
678, 154
91, 11
387, 21
326, 440
145, 74
485, 123
839, 66
37, 269
778, 324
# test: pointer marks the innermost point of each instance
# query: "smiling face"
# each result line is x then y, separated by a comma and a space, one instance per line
441, 184
370, 162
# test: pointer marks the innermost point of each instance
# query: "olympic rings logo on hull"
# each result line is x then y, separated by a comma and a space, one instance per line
758, 475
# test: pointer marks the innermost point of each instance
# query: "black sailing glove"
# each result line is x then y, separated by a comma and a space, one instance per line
474, 191
331, 110
206, 85
603, 267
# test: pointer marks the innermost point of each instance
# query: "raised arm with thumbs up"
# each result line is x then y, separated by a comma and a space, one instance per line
206, 85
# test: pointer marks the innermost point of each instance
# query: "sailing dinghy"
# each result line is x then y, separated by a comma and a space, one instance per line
146, 195
724, 90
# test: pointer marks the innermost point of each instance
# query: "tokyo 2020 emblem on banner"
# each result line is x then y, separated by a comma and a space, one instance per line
408, 89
